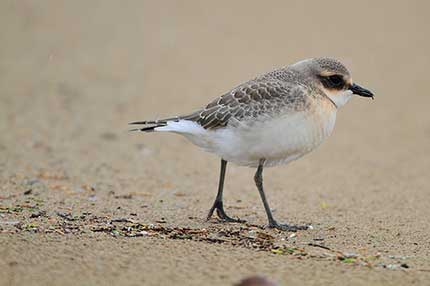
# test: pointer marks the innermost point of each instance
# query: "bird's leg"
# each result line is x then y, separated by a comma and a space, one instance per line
218, 205
258, 178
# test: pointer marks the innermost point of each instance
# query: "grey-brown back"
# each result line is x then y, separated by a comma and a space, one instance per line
268, 95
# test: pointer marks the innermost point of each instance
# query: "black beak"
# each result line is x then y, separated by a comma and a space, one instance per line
361, 91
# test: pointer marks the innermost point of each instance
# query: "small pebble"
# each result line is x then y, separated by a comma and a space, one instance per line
37, 214
350, 255
28, 192
392, 266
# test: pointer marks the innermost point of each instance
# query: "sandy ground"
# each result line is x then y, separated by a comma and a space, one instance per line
84, 202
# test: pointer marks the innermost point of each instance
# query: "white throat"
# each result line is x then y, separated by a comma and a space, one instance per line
339, 98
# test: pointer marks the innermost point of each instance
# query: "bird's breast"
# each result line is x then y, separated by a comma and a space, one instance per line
279, 139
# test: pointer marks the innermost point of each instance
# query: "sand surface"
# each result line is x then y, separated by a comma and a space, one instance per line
84, 202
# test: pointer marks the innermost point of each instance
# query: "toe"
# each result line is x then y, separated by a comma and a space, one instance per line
229, 219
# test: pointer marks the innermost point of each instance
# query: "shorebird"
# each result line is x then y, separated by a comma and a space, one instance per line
272, 119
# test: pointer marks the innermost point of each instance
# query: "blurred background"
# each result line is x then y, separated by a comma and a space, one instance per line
74, 73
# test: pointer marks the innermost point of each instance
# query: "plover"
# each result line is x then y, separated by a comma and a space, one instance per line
272, 119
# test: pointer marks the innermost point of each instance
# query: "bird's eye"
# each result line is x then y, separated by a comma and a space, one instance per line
335, 80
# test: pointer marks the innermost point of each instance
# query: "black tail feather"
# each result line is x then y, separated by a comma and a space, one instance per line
146, 129
154, 123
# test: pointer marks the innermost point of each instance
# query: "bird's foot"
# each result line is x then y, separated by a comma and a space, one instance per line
288, 227
218, 206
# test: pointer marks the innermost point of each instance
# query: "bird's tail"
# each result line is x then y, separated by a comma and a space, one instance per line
150, 125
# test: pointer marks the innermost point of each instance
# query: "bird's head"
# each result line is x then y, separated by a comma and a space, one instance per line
332, 77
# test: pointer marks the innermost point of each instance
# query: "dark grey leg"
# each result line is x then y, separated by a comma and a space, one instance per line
258, 178
218, 205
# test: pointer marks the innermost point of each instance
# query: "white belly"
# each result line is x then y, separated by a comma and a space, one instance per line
279, 140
